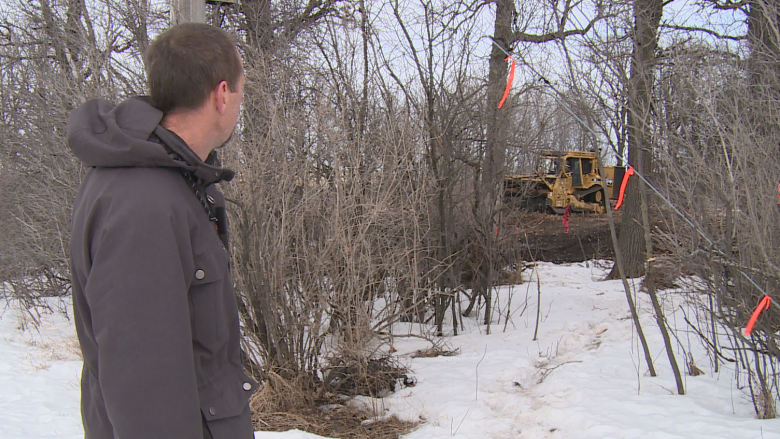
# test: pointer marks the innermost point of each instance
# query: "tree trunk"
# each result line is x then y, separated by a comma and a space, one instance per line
495, 147
647, 18
764, 62
258, 24
651, 291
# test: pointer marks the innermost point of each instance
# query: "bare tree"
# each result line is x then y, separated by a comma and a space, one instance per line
647, 19
718, 153
53, 58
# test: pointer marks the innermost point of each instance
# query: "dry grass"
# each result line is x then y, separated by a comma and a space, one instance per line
278, 394
435, 351
340, 422
47, 351
353, 375
666, 273
65, 349
47, 344
281, 405
693, 370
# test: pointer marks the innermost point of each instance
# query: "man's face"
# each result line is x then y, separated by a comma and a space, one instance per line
234, 106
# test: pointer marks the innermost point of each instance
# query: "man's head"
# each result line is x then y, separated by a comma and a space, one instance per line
186, 62
195, 67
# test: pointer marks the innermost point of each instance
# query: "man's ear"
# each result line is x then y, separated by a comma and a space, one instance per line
221, 96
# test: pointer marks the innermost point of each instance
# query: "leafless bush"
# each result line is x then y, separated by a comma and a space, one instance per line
331, 226
355, 197
54, 56
719, 158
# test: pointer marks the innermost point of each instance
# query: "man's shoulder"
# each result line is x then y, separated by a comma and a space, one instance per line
162, 180
150, 186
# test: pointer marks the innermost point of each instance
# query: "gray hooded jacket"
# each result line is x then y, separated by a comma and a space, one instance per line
153, 301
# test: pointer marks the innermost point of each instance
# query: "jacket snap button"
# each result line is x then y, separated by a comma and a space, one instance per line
247, 386
200, 274
212, 411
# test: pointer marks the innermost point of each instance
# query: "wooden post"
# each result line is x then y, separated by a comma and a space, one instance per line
183, 11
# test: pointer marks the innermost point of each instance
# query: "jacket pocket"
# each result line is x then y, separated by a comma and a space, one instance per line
226, 397
208, 289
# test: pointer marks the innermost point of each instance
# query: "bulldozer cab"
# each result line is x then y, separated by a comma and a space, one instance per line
549, 165
574, 164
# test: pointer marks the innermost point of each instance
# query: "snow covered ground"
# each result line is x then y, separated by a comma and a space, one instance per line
584, 377
39, 378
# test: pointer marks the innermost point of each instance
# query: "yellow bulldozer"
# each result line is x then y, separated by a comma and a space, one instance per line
564, 178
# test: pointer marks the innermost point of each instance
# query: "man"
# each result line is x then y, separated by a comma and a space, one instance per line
153, 300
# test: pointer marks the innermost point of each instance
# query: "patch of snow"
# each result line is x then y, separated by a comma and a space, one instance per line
585, 376
40, 374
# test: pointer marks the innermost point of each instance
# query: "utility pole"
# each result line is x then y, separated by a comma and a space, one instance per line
183, 11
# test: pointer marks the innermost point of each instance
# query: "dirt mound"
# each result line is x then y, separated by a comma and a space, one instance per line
588, 237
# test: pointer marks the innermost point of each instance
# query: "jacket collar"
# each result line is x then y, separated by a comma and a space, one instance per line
210, 171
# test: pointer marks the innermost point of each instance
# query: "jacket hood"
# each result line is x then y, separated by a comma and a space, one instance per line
102, 134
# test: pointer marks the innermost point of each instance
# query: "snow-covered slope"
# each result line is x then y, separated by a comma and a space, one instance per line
40, 371
584, 377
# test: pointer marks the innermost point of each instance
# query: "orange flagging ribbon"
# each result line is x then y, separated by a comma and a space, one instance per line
509, 81
629, 172
762, 306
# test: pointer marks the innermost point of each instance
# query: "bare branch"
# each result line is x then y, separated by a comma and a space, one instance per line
704, 30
